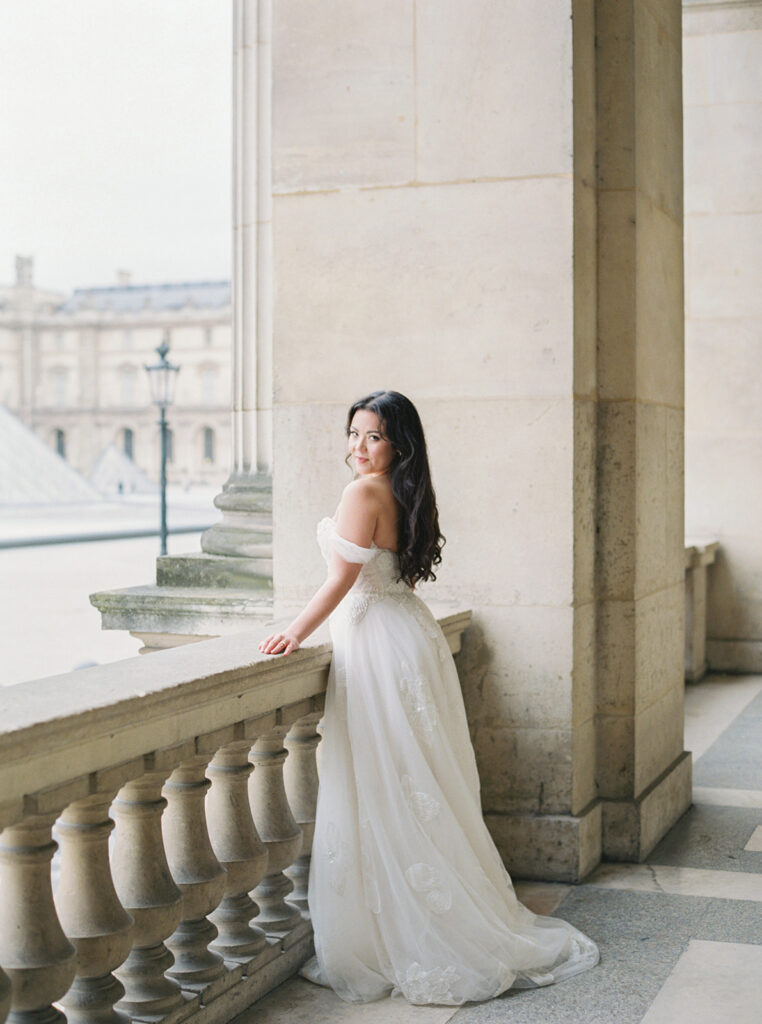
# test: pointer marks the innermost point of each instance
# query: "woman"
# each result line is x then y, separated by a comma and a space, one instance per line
407, 891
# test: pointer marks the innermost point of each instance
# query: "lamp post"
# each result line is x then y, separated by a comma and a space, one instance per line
161, 378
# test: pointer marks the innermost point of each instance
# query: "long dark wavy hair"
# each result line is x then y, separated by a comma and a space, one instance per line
419, 539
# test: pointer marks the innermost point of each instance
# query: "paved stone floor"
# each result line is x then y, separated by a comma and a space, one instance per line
680, 936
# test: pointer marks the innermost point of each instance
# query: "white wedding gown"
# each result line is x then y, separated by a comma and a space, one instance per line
407, 891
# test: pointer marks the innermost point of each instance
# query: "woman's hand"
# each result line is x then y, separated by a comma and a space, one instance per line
279, 643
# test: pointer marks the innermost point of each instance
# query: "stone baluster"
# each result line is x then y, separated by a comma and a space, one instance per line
145, 887
280, 833
301, 781
5, 995
239, 849
35, 953
91, 913
198, 874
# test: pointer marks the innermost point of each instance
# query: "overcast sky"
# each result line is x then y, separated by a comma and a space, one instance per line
115, 139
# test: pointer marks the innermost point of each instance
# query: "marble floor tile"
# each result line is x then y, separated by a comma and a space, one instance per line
712, 704
711, 982
727, 797
714, 838
755, 841
677, 881
541, 897
733, 759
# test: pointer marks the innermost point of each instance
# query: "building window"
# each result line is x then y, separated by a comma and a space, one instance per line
208, 337
128, 376
170, 445
59, 438
126, 339
209, 376
60, 382
208, 444
128, 442
59, 341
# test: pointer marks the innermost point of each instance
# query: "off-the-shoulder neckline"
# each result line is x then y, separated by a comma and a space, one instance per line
373, 545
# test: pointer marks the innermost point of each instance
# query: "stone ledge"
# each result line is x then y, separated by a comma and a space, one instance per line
226, 572
700, 553
734, 655
204, 611
632, 828
549, 848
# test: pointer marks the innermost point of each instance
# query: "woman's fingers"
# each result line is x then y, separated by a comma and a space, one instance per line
278, 643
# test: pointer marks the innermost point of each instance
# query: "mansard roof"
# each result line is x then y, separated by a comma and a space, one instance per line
137, 298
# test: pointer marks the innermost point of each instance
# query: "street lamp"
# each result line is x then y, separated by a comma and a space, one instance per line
161, 378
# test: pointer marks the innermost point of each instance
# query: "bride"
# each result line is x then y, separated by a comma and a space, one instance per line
407, 891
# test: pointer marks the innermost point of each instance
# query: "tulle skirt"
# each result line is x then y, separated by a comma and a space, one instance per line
407, 893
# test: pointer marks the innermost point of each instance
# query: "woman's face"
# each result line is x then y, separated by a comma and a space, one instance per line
371, 450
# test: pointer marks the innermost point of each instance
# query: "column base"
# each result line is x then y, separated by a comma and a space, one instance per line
246, 527
548, 848
632, 828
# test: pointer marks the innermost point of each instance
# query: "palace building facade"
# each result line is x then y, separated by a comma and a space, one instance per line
72, 368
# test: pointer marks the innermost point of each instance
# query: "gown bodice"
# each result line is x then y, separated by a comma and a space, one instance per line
379, 575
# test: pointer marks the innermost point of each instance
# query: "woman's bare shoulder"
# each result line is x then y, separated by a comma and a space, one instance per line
366, 489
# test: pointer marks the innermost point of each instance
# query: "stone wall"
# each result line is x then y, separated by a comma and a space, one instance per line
723, 259
439, 229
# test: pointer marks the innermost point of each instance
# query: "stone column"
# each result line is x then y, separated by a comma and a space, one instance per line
228, 585
239, 849
146, 889
643, 773
91, 913
198, 875
34, 951
280, 834
301, 780
246, 499
548, 376
5, 994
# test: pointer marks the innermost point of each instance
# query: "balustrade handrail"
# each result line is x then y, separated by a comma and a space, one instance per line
225, 739
61, 729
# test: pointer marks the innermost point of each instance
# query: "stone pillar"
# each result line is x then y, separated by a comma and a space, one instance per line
5, 994
723, 317
471, 246
146, 889
644, 775
300, 776
246, 499
91, 913
227, 586
34, 952
239, 849
280, 833
198, 875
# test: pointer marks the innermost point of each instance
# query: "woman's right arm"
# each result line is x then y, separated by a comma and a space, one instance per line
358, 513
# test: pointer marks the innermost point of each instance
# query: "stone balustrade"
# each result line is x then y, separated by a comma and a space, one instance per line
180, 791
699, 555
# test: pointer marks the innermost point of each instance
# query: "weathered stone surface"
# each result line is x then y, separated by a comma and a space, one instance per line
723, 227
552, 847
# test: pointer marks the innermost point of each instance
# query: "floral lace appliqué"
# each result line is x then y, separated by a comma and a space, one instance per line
419, 702
429, 625
423, 806
423, 878
434, 986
